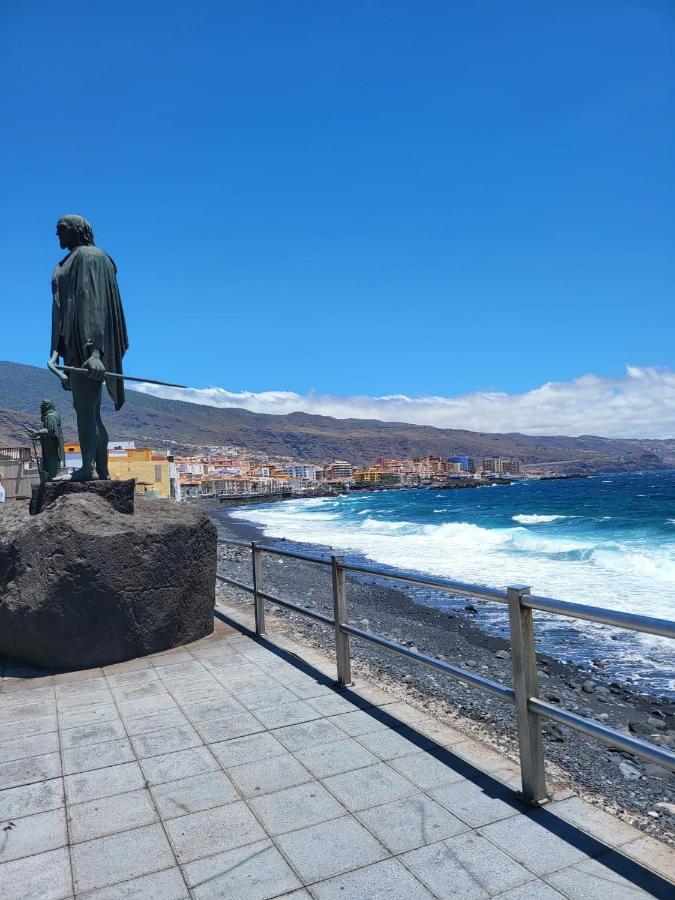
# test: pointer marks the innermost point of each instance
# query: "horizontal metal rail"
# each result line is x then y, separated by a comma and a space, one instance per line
530, 709
611, 736
236, 584
614, 617
310, 613
485, 684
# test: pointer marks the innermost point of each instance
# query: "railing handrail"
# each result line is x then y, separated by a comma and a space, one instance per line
524, 694
613, 617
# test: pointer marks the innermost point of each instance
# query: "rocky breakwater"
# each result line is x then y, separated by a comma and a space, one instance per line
84, 584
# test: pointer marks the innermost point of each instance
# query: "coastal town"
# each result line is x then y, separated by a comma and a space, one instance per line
233, 473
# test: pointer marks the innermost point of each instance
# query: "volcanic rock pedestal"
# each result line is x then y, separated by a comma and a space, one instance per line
84, 585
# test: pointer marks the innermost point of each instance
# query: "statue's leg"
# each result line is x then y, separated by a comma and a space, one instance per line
86, 392
102, 446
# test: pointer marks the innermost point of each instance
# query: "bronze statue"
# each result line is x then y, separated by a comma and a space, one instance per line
51, 441
89, 333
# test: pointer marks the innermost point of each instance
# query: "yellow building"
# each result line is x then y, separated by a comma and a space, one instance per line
151, 470
371, 473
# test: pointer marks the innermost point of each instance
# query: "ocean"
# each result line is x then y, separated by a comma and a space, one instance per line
607, 540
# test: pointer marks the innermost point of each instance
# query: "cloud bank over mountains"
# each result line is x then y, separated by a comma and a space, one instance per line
639, 404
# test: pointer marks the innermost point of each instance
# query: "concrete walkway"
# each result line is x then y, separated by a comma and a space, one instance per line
229, 768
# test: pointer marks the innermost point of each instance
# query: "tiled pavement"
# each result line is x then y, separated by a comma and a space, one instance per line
230, 769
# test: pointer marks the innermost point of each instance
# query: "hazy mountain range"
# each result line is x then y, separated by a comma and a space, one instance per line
190, 427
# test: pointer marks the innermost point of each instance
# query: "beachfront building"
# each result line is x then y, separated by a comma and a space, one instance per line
339, 470
501, 465
150, 469
19, 472
301, 471
466, 463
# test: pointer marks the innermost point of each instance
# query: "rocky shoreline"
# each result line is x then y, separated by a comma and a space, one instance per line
641, 793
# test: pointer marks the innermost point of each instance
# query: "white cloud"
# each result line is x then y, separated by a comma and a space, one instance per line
639, 404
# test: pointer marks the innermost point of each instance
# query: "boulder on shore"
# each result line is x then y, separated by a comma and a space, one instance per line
84, 585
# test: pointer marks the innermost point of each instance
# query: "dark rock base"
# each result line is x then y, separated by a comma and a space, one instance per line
119, 494
83, 585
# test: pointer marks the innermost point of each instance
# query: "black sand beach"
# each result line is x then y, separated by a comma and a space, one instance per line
642, 793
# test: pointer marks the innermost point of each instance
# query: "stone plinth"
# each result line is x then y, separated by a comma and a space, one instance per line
119, 494
82, 584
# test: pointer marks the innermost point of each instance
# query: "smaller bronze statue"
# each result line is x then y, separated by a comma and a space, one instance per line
51, 441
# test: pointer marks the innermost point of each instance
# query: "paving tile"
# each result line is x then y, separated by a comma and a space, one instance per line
83, 759
356, 723
20, 711
529, 840
169, 740
286, 714
296, 807
653, 854
264, 692
46, 875
182, 670
593, 880
85, 698
26, 771
165, 885
152, 690
332, 704
331, 848
120, 857
33, 834
135, 677
387, 880
246, 749
426, 771
308, 688
173, 766
270, 774
257, 872
478, 802
332, 759
309, 734
224, 707
533, 890
465, 866
410, 823
129, 665
106, 815
189, 795
146, 706
392, 745
226, 729
441, 733
589, 818
80, 687
34, 745
106, 782
88, 715
213, 831
367, 787
168, 718
28, 727
28, 799
88, 735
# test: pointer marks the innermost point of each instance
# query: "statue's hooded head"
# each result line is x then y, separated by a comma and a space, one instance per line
74, 231
45, 407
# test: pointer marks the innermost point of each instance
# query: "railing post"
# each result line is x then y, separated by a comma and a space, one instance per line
258, 602
341, 616
526, 685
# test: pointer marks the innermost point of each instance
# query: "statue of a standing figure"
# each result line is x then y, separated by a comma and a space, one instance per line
88, 332
51, 441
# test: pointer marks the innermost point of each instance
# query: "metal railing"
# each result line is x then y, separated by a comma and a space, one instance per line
524, 695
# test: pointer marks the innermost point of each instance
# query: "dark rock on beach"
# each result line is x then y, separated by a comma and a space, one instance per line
84, 585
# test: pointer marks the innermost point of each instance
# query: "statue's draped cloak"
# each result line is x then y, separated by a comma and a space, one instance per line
87, 313
52, 425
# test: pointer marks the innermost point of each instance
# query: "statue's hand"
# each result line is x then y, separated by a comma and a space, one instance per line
51, 365
94, 366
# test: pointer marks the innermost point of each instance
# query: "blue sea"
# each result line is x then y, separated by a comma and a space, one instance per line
608, 540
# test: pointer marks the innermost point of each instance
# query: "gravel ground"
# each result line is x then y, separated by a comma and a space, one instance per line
641, 793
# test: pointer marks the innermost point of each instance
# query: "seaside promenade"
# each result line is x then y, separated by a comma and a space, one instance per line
233, 767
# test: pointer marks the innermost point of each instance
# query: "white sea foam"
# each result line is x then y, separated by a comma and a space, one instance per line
534, 519
633, 577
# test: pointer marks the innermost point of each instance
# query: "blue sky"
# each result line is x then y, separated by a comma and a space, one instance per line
359, 198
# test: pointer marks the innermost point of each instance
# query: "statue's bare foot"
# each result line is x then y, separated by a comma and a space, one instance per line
104, 476
82, 475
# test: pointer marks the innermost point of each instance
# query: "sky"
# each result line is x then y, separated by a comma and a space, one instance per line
457, 213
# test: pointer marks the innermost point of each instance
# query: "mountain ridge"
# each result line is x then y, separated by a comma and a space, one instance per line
186, 427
